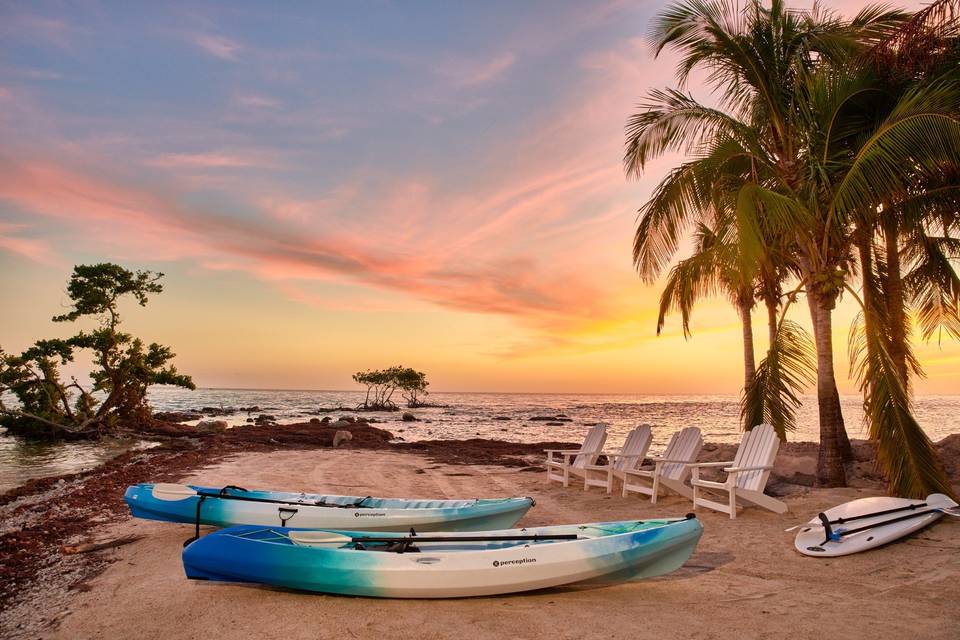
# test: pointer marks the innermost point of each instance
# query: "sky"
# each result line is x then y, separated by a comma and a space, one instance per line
331, 187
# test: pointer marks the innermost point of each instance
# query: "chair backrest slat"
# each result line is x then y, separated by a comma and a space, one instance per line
636, 444
596, 436
757, 449
684, 445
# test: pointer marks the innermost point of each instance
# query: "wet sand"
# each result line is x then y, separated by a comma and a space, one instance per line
745, 580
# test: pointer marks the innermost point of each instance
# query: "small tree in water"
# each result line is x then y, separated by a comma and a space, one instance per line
382, 384
125, 367
413, 385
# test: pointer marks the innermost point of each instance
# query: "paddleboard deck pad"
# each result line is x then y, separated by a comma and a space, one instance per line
868, 523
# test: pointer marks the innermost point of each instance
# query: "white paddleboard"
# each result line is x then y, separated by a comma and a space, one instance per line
881, 519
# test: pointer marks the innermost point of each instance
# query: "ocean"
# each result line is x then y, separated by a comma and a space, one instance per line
502, 416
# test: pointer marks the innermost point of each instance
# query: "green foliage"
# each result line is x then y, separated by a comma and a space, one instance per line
904, 451
125, 366
383, 383
774, 395
814, 145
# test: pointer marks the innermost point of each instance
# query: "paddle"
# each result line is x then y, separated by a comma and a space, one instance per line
405, 543
173, 492
935, 502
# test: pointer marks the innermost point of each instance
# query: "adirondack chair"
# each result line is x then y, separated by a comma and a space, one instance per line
562, 463
746, 475
669, 470
631, 455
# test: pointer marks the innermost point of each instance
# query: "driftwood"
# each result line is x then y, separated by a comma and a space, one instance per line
89, 547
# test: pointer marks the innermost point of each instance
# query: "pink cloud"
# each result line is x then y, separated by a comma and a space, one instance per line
152, 225
217, 46
256, 101
30, 248
212, 160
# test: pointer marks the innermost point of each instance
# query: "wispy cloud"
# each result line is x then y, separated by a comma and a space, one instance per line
217, 46
37, 250
257, 101
211, 160
475, 72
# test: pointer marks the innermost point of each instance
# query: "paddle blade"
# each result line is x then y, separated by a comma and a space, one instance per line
940, 501
172, 492
318, 538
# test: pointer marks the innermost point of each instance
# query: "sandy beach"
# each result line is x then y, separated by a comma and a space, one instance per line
745, 580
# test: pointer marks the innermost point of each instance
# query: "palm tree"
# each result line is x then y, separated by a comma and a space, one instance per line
819, 162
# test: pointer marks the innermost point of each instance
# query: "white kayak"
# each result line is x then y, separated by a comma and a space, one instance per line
868, 523
232, 505
443, 565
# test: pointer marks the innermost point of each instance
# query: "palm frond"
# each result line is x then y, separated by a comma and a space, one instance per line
933, 286
905, 453
789, 367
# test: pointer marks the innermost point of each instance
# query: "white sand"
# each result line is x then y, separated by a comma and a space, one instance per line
744, 581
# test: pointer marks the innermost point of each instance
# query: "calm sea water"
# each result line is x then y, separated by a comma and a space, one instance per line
470, 415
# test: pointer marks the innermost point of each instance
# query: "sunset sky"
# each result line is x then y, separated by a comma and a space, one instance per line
331, 187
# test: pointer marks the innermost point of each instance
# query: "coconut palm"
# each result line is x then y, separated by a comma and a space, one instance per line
821, 159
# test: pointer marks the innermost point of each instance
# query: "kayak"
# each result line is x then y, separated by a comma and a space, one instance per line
232, 505
447, 565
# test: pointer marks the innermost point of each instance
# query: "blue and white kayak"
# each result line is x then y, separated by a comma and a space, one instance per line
447, 565
231, 506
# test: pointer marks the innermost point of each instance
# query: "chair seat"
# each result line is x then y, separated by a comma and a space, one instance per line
596, 467
639, 472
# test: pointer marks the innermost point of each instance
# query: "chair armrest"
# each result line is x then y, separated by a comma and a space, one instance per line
738, 469
562, 451
709, 464
624, 455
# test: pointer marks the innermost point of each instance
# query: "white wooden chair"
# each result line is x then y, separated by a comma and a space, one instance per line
562, 463
669, 470
747, 474
631, 455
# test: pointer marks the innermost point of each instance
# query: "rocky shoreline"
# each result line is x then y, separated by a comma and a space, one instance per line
42, 517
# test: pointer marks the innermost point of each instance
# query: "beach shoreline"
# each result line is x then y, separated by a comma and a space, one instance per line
44, 516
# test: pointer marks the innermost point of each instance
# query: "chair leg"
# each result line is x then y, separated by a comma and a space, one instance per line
696, 496
656, 489
733, 502
609, 480
566, 476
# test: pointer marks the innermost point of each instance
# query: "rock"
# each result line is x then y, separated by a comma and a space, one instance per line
325, 420
559, 418
249, 409
212, 425
554, 424
265, 418
502, 418
340, 437
177, 416
340, 424
361, 420
349, 419
314, 420
217, 411
408, 417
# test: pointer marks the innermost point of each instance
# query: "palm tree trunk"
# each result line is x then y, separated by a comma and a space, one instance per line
749, 359
830, 472
772, 320
893, 291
